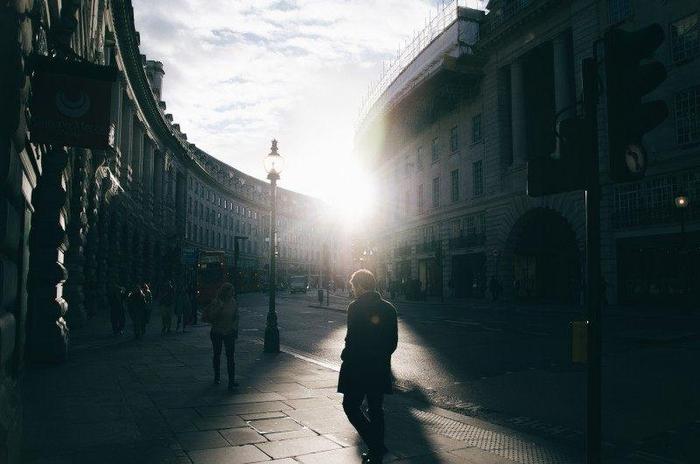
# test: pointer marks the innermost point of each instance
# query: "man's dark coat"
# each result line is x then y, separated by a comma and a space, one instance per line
371, 339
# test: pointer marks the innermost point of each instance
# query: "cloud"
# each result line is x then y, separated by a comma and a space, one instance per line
238, 74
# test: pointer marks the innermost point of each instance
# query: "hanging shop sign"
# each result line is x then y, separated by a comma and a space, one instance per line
71, 103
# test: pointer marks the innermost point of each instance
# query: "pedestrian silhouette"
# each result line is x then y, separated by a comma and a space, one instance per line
222, 314
117, 297
372, 336
148, 298
167, 300
494, 288
136, 303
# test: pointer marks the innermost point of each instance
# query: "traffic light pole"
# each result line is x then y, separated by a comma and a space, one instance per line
593, 271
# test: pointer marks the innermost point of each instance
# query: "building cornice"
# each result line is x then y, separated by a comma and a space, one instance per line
183, 151
500, 23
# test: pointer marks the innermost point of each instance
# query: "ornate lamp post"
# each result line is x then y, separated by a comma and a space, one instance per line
274, 163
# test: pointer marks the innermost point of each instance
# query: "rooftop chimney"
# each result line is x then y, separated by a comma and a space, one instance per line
155, 73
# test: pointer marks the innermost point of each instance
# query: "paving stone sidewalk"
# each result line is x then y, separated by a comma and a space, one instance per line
153, 401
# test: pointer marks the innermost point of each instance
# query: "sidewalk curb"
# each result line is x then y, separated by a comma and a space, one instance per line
427, 406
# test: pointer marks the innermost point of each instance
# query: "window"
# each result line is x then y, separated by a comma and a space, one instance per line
619, 10
476, 128
686, 112
419, 158
435, 152
436, 192
420, 198
407, 166
454, 140
454, 177
477, 178
685, 39
481, 222
470, 225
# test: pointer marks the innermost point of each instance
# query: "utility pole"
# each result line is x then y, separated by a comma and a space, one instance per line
593, 309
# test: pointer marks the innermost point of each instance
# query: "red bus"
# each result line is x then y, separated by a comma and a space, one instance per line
212, 272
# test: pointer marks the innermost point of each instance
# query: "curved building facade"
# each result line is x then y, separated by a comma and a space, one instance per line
74, 222
454, 121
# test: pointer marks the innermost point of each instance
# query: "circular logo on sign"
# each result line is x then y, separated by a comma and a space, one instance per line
73, 107
635, 158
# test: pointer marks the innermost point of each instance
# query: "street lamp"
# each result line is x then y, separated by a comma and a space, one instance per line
682, 203
274, 164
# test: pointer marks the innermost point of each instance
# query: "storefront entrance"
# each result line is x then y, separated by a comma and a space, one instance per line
659, 270
468, 275
546, 264
430, 277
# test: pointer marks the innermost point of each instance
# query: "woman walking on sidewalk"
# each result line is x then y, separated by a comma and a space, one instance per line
182, 308
167, 299
136, 302
371, 339
222, 314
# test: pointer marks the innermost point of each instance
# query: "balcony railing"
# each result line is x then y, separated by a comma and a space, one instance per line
402, 251
467, 241
651, 201
429, 247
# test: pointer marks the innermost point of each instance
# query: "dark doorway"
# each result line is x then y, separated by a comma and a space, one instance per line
468, 275
546, 262
430, 276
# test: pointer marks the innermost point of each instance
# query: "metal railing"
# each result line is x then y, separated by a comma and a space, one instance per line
510, 9
652, 201
402, 251
447, 13
428, 247
467, 241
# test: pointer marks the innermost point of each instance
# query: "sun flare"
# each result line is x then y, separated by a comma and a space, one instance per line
351, 196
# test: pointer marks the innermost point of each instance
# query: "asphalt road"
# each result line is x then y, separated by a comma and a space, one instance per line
511, 365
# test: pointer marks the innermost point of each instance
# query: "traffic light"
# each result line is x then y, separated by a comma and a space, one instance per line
628, 80
565, 170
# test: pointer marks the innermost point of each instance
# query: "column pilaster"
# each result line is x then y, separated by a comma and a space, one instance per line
518, 128
47, 334
77, 230
563, 94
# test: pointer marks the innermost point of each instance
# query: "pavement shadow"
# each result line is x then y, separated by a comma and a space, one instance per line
406, 435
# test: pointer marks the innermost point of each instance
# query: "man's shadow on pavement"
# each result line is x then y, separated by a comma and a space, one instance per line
406, 436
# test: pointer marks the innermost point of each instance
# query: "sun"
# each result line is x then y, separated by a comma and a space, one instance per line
350, 195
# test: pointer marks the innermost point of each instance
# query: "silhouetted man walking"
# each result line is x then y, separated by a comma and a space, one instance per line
372, 336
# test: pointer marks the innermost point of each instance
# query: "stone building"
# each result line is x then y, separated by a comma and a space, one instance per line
227, 203
75, 222
453, 121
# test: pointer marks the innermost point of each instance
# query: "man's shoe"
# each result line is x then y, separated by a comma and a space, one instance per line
368, 455
374, 459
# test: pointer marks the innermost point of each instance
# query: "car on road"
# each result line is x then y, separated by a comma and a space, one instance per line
298, 284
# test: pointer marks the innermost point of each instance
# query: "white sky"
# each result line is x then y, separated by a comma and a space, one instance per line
239, 73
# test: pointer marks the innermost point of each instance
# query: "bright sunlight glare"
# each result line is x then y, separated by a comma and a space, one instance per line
350, 194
